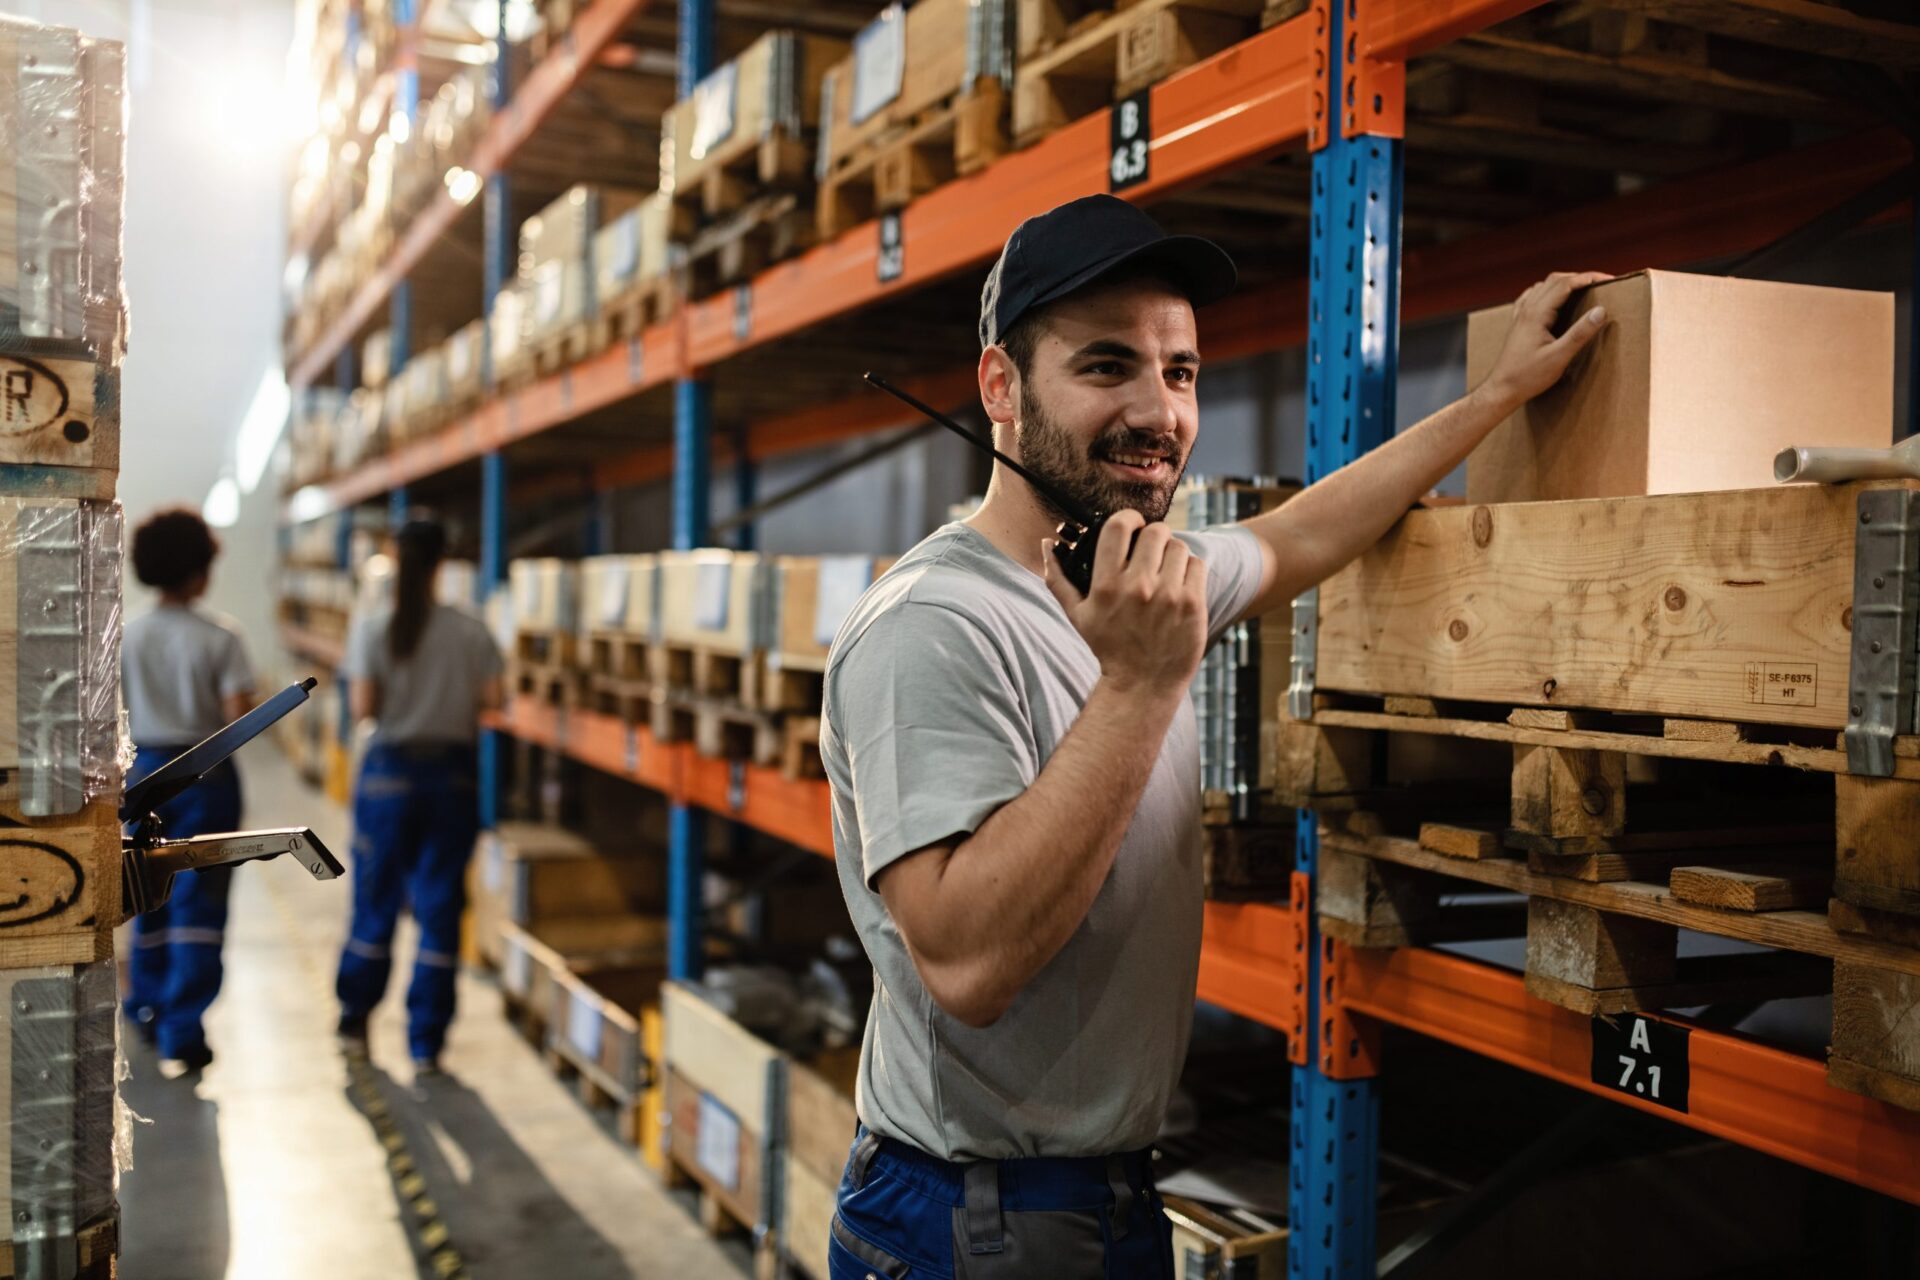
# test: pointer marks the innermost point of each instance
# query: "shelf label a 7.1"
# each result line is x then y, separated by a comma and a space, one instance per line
1643, 1058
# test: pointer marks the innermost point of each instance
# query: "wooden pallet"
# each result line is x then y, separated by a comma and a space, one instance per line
630, 701
953, 139
553, 686
782, 689
697, 671
1077, 60
775, 164
717, 727
718, 1221
632, 311
800, 753
563, 348
620, 654
547, 648
732, 251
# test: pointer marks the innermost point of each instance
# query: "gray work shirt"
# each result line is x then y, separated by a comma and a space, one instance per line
178, 663
947, 690
433, 696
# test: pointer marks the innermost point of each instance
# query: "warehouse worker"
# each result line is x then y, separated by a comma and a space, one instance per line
423, 672
1015, 768
186, 674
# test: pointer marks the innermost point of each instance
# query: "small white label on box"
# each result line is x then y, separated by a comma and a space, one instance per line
493, 863
879, 62
713, 100
718, 1149
611, 591
549, 291
712, 589
516, 970
843, 580
623, 256
583, 1025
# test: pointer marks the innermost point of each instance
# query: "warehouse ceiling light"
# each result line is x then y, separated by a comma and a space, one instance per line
260, 430
222, 507
463, 185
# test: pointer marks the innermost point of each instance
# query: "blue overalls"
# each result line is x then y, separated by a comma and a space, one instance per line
175, 968
904, 1213
415, 818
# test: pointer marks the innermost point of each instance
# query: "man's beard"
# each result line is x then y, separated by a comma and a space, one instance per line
1051, 452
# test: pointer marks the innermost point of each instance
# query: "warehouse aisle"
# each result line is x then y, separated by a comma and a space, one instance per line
274, 1164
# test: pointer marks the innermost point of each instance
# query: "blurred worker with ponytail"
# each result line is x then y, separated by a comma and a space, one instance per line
422, 672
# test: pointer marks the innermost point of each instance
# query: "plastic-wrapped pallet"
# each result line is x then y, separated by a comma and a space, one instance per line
63, 319
1241, 678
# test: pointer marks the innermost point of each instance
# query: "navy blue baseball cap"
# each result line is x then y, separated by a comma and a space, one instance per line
1069, 247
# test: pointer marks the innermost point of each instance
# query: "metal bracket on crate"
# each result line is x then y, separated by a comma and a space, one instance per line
1306, 644
62, 1052
1886, 602
54, 661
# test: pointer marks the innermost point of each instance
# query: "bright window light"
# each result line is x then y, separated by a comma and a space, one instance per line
260, 429
222, 507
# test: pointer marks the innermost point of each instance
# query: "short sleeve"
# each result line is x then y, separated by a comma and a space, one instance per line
236, 672
1235, 566
934, 734
363, 639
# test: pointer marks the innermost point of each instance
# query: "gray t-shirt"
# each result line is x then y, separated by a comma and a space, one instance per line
178, 663
948, 688
434, 696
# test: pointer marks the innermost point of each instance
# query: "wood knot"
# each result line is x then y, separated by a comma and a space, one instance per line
1846, 617
1482, 526
1676, 599
1548, 686
1594, 800
1457, 630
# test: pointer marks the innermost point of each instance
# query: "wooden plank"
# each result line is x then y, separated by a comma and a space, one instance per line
1657, 864
718, 1055
1698, 980
1816, 27
1461, 842
1803, 931
1632, 842
806, 1215
1588, 948
1703, 731
56, 878
820, 1114
1754, 886
1874, 865
1876, 1025
1570, 604
1564, 794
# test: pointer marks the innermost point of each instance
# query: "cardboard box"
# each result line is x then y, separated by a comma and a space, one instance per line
617, 595
463, 356
638, 245
1694, 386
63, 113
708, 599
563, 231
906, 62
546, 594
771, 91
812, 597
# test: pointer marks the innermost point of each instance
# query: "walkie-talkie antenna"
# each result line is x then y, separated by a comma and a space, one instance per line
1068, 506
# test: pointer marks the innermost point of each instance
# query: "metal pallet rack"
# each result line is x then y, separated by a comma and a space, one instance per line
1334, 77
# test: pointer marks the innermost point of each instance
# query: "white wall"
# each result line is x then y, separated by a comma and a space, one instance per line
207, 144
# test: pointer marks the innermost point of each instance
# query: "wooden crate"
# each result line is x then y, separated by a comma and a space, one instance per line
1208, 1245
59, 426
820, 1116
532, 873
811, 597
741, 242
748, 127
721, 1076
720, 1057
806, 1216
709, 601
533, 958
597, 1027
727, 1163
59, 654
57, 1108
945, 117
546, 595
1098, 56
63, 896
636, 248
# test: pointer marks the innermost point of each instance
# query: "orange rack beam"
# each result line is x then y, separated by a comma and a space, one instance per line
1247, 963
1760, 1097
546, 85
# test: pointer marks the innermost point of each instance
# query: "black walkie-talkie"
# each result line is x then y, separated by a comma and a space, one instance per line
1077, 535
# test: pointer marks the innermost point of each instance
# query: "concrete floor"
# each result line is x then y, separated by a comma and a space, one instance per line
270, 1163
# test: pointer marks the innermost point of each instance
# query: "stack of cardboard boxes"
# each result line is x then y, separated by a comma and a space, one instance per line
62, 334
